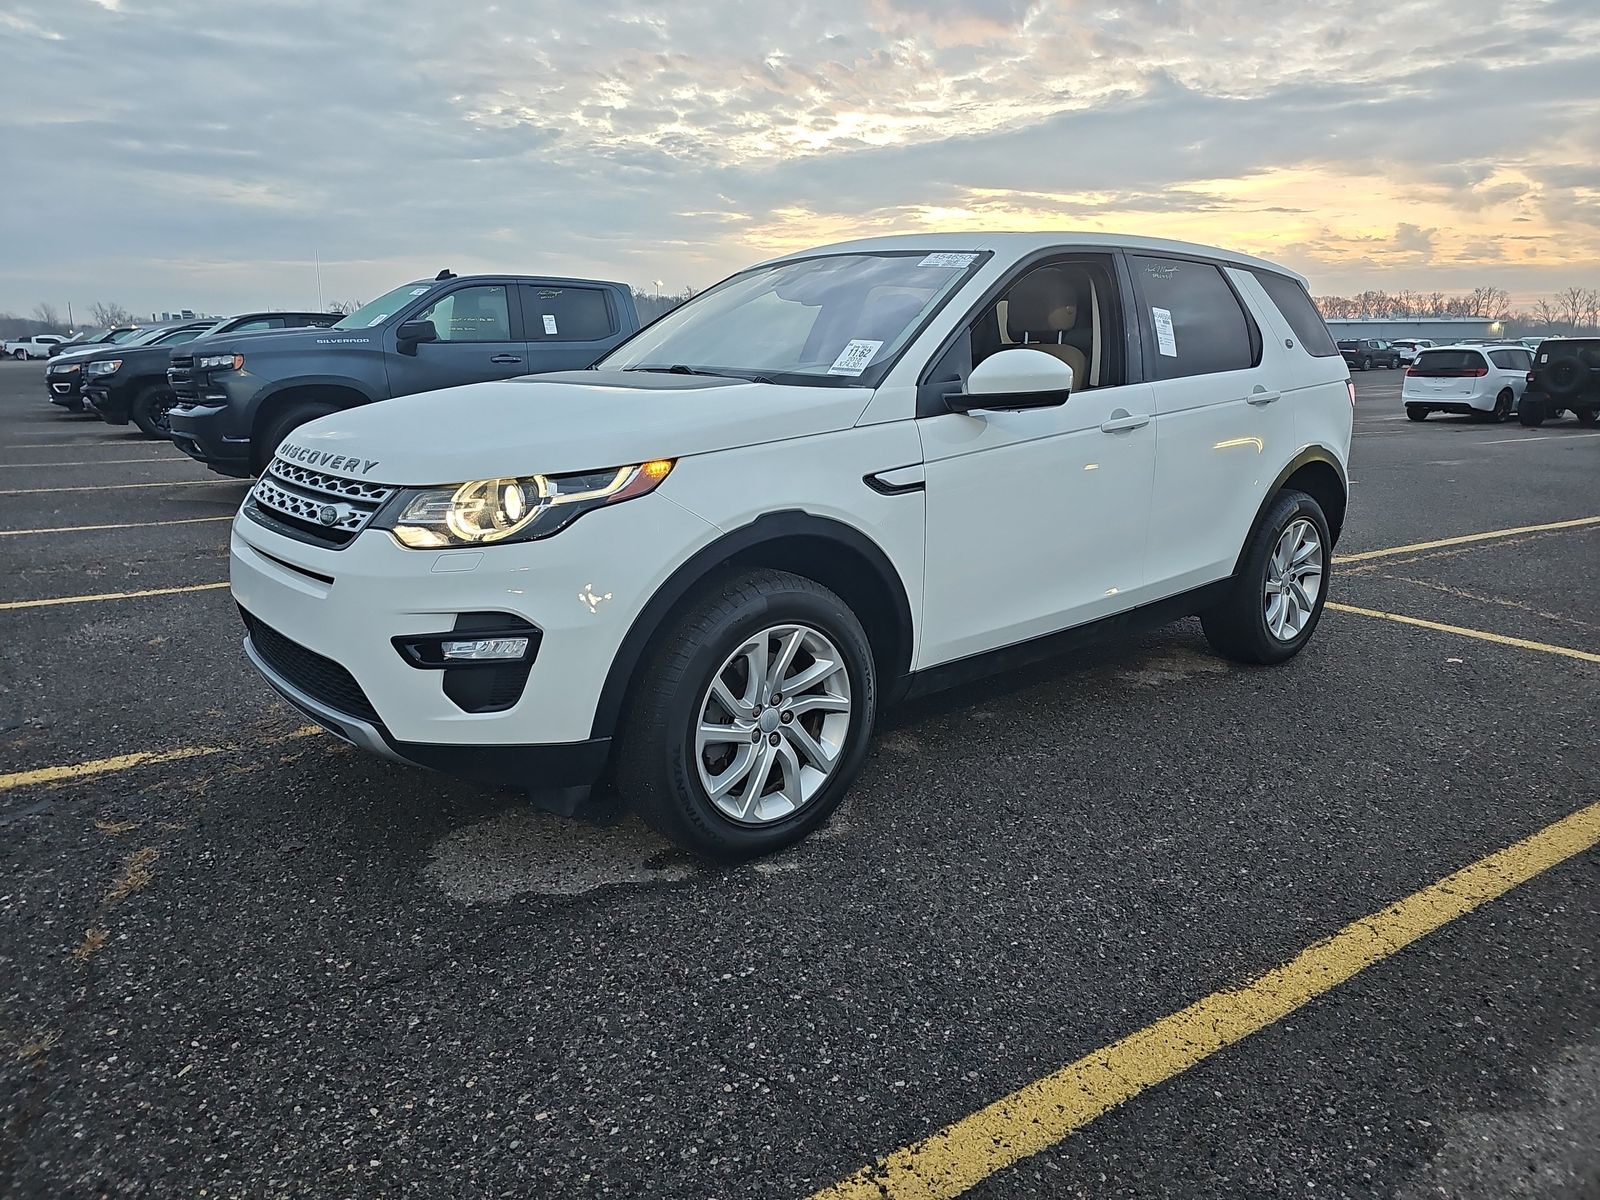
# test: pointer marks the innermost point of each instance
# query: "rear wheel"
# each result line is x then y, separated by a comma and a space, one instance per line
1416, 412
750, 717
1275, 601
1501, 410
281, 425
150, 410
1366, 363
1587, 416
1531, 412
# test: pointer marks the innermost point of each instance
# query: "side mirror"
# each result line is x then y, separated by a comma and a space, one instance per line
1015, 379
412, 332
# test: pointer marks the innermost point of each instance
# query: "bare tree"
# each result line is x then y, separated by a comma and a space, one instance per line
48, 316
1545, 313
105, 314
1591, 308
344, 307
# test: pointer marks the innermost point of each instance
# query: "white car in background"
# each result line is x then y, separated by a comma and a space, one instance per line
37, 346
1411, 347
1485, 382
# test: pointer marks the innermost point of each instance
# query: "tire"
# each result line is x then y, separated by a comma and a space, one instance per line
1394, 364
1259, 621
1366, 363
1416, 412
265, 444
1531, 412
149, 410
1501, 412
1587, 416
662, 767
1566, 376
20, 355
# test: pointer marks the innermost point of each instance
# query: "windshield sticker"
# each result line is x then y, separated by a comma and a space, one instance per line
419, 291
946, 258
1166, 340
549, 325
376, 319
853, 359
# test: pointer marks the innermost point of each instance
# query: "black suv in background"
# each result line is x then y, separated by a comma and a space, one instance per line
1365, 353
133, 386
1565, 377
66, 374
238, 397
98, 337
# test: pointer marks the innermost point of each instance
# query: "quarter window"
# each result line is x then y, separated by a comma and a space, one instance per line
1193, 321
1295, 305
566, 314
471, 314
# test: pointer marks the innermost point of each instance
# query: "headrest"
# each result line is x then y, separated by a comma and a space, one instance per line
1045, 301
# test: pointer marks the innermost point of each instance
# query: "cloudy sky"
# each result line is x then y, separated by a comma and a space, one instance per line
165, 153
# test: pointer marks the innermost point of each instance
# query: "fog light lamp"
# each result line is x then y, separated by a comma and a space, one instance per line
485, 649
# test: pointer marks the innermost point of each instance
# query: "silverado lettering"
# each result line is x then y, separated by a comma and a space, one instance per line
326, 458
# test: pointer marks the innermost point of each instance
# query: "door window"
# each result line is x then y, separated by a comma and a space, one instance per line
1295, 304
471, 314
1193, 321
566, 314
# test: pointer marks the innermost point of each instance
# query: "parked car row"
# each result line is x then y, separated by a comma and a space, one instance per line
1491, 381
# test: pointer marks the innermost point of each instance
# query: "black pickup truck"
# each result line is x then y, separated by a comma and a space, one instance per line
133, 385
236, 399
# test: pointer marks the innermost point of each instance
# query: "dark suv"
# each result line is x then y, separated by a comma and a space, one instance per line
1365, 353
1565, 377
133, 386
237, 398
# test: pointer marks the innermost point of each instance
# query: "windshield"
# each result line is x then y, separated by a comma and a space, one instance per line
143, 337
819, 320
370, 314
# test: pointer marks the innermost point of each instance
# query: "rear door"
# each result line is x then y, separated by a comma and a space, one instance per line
475, 323
1223, 428
568, 326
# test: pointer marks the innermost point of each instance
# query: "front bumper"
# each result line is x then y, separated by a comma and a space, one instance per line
107, 400
211, 434
65, 390
582, 589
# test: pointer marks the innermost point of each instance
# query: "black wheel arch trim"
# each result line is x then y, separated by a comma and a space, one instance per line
769, 527
1311, 454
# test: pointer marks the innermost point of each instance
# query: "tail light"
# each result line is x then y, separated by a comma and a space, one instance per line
1350, 386
1478, 372
1530, 376
1411, 370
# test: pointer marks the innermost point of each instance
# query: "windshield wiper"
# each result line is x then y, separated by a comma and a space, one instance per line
680, 369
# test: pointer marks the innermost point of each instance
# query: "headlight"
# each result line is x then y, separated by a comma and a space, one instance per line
511, 509
105, 367
65, 368
220, 362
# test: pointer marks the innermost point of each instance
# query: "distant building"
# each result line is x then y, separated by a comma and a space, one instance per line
1434, 329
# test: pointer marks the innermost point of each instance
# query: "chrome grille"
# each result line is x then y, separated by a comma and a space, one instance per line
318, 507
180, 378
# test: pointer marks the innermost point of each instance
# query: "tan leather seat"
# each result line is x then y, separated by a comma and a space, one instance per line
1039, 310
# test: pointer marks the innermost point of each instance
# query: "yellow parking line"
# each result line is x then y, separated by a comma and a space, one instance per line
53, 600
1480, 634
1043, 1113
125, 762
116, 487
1464, 539
129, 525
101, 766
102, 462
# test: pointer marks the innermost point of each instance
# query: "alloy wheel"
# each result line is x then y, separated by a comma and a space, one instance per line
1294, 580
773, 723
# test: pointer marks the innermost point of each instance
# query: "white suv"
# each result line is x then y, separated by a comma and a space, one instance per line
1485, 382
833, 480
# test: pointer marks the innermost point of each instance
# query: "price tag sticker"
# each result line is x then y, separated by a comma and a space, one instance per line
853, 359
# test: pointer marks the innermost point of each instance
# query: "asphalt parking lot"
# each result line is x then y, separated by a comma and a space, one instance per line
255, 963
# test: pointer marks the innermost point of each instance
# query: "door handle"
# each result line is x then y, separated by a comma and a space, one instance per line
505, 358
1123, 419
1261, 396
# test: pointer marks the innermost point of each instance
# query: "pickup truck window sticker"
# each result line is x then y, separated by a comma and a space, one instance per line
947, 258
853, 359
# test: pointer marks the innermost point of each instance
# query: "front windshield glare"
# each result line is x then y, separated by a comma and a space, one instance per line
837, 317
377, 310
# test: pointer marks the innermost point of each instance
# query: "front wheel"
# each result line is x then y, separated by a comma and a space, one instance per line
1416, 412
1275, 601
1587, 416
19, 355
1366, 364
151, 410
750, 717
281, 425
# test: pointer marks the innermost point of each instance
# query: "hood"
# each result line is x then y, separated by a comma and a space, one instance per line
566, 421
83, 354
294, 339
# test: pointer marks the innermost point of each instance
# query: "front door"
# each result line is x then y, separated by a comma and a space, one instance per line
1036, 519
476, 342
